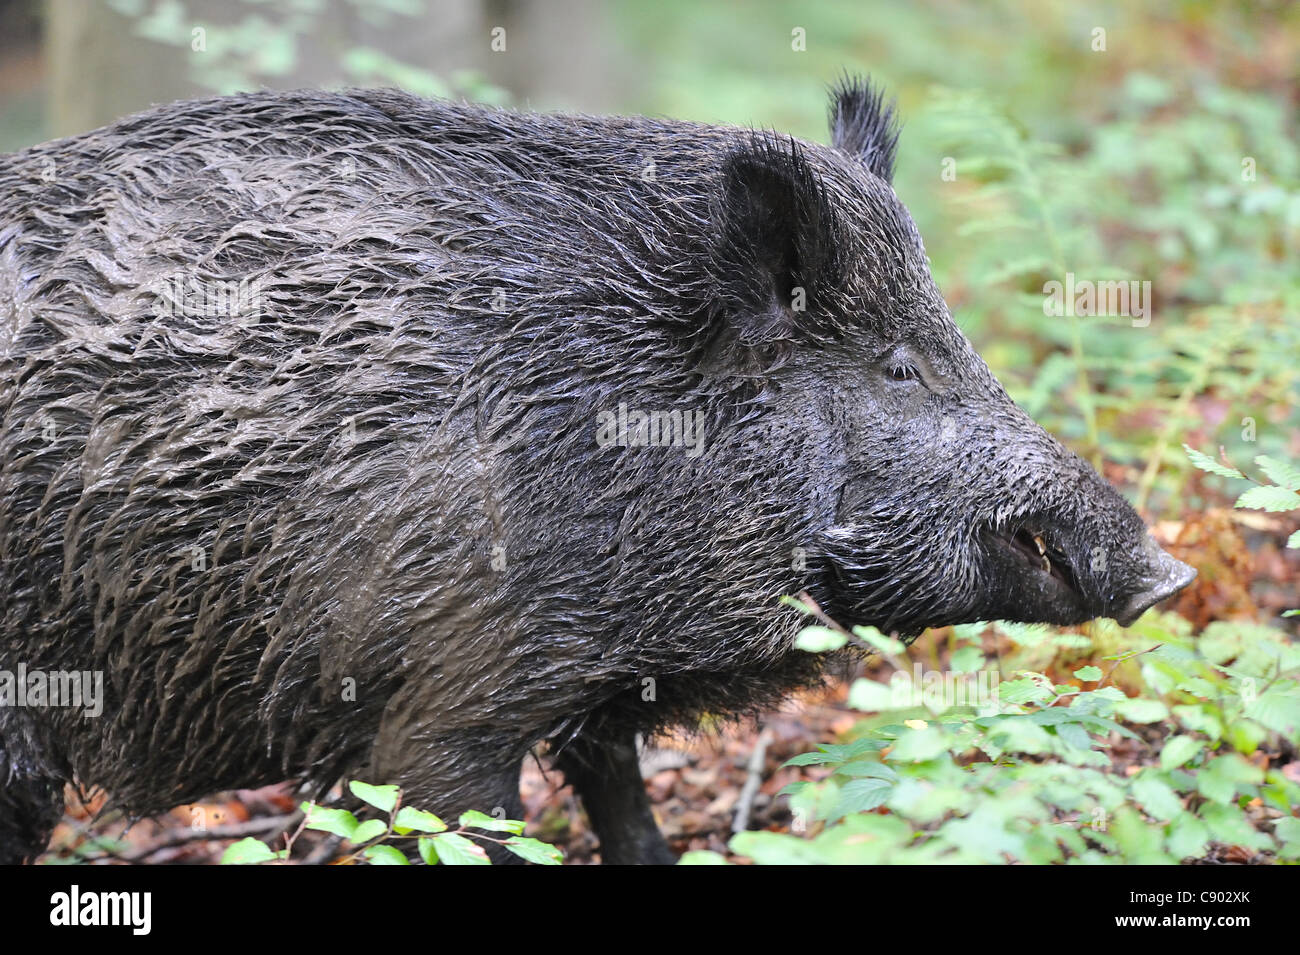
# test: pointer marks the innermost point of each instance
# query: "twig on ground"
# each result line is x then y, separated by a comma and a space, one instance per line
324, 852
272, 825
753, 779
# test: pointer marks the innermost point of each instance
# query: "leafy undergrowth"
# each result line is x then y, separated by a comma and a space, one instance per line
1165, 748
400, 834
1041, 773
694, 784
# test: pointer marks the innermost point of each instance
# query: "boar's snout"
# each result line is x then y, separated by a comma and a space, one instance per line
1080, 551
1166, 576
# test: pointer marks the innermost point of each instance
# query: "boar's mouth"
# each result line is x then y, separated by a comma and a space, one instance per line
1040, 580
1030, 569
1039, 552
1035, 580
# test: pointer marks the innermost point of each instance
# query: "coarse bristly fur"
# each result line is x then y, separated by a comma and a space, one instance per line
356, 518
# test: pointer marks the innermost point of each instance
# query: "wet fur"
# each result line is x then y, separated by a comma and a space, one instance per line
391, 472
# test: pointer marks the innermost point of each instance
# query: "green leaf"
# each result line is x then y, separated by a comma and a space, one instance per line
1023, 634
928, 800
1017, 734
919, 745
1141, 710
1207, 463
798, 604
818, 639
428, 852
381, 797
1111, 694
1220, 642
1277, 708
1023, 690
703, 857
370, 829
473, 819
1089, 674
1179, 750
1140, 842
1219, 780
1228, 824
1287, 829
776, 848
1245, 735
1188, 837
534, 851
860, 795
870, 697
865, 767
1074, 735
384, 855
1202, 717
1292, 541
837, 753
1280, 472
338, 822
879, 642
410, 819
454, 849
971, 659
1155, 797
248, 851
1056, 715
1269, 497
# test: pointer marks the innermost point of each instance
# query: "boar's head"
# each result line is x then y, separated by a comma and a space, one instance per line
951, 504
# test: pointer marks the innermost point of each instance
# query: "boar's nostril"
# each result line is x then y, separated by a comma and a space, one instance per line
1169, 577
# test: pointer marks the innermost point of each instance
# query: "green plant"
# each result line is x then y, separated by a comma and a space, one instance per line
1033, 776
372, 839
1282, 495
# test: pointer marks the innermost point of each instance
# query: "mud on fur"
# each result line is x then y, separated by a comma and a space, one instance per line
300, 391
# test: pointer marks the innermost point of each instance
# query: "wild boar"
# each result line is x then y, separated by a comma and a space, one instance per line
350, 433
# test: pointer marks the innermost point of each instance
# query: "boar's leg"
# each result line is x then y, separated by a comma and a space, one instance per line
607, 776
449, 772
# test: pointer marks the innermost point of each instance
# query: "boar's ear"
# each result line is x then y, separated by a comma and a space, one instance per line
779, 243
864, 125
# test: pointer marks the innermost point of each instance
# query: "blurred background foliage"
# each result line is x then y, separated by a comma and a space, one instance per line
1152, 142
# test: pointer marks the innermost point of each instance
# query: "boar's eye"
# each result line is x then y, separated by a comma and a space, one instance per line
901, 364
